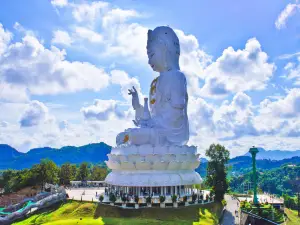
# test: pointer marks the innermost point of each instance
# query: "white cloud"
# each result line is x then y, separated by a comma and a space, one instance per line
35, 114
288, 11
3, 124
288, 107
280, 117
118, 16
5, 38
242, 101
193, 60
200, 115
18, 27
88, 34
102, 110
28, 65
121, 78
89, 13
288, 56
13, 93
61, 37
127, 40
237, 71
59, 3
293, 72
235, 120
63, 125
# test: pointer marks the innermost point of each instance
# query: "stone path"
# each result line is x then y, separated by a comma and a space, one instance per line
229, 214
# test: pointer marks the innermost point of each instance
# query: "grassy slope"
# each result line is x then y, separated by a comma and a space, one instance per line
293, 218
207, 217
71, 212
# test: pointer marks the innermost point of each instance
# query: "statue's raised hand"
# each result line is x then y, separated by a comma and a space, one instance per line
135, 97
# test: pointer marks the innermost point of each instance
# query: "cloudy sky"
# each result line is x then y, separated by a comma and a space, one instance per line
65, 67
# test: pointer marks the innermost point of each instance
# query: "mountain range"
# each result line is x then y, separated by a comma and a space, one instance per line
275, 154
10, 158
243, 164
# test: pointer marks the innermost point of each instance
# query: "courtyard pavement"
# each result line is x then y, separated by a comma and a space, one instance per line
86, 194
262, 198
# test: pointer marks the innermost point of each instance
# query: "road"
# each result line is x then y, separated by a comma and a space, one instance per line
229, 214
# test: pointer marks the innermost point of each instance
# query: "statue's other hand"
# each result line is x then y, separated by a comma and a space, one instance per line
135, 97
132, 91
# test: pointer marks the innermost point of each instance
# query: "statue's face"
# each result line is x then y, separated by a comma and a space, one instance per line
156, 51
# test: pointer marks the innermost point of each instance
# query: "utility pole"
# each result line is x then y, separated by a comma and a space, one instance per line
253, 152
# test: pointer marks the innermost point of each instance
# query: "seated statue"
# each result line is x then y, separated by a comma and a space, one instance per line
166, 123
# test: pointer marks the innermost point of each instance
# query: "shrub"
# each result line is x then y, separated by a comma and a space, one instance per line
112, 198
136, 199
162, 199
124, 199
174, 198
148, 199
207, 197
194, 197
224, 203
101, 198
184, 198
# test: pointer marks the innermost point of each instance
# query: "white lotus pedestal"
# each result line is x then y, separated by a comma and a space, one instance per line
146, 170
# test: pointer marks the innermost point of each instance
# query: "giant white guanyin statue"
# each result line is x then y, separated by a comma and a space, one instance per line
154, 153
166, 123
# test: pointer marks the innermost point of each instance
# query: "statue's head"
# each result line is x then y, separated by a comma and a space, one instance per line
163, 49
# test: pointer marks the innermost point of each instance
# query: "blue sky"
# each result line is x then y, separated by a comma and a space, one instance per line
65, 67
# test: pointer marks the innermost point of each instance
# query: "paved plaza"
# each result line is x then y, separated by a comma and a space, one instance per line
264, 198
86, 194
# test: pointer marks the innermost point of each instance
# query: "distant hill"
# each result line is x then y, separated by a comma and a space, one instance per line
12, 159
8, 153
275, 154
243, 164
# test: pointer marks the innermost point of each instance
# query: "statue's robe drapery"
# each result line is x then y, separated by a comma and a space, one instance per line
168, 106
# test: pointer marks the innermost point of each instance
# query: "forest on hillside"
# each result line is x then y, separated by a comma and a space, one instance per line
276, 181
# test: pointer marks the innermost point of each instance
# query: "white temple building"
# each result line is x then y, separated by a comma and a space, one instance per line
153, 158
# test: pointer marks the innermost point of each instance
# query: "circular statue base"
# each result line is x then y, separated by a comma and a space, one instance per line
152, 178
157, 170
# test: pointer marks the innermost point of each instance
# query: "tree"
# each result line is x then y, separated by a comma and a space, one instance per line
73, 171
98, 173
216, 170
83, 172
46, 172
66, 174
296, 187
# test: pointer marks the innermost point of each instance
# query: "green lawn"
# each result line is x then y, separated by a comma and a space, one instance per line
293, 218
83, 221
74, 212
207, 218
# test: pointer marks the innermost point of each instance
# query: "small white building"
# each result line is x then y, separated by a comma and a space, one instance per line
77, 184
